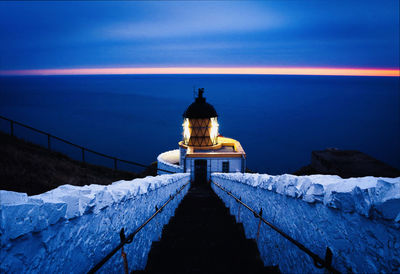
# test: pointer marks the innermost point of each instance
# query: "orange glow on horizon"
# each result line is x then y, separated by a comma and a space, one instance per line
212, 70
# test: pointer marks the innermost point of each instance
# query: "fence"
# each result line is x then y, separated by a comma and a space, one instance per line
128, 239
84, 150
318, 262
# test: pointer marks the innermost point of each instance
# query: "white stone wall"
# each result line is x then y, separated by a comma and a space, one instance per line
357, 218
166, 160
70, 229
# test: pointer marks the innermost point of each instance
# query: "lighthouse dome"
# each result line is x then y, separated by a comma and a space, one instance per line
200, 123
200, 108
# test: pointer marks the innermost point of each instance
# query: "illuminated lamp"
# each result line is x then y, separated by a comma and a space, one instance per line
200, 123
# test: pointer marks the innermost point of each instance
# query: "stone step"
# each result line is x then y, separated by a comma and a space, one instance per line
203, 237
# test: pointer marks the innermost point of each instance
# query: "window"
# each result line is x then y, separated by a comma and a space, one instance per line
225, 167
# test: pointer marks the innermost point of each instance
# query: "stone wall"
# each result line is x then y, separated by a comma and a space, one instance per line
70, 229
357, 218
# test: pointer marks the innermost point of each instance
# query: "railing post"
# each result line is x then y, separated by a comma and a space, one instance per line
83, 155
240, 198
259, 224
328, 257
48, 141
327, 263
12, 128
123, 254
115, 163
159, 236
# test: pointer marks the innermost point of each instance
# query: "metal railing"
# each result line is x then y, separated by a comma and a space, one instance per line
129, 238
318, 261
84, 150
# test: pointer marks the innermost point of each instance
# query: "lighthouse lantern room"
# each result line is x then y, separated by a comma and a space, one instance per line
202, 150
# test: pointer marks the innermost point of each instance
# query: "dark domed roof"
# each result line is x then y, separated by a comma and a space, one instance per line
200, 108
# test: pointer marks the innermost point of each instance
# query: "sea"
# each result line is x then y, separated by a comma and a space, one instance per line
279, 120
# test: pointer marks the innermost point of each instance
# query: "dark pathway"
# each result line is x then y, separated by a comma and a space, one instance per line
203, 237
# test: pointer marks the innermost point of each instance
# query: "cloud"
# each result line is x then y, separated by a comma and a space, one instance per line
195, 20
134, 33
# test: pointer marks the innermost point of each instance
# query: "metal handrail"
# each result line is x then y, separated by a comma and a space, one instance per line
129, 238
318, 261
49, 136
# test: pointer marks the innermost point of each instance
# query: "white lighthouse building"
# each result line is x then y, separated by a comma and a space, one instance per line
202, 150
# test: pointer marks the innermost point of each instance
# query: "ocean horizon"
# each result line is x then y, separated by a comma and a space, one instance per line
279, 120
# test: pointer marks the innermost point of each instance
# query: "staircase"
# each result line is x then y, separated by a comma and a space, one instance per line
203, 237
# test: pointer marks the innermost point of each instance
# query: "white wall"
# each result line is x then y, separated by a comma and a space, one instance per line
166, 160
215, 165
70, 229
358, 218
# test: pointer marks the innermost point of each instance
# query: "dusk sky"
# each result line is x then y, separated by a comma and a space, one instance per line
74, 34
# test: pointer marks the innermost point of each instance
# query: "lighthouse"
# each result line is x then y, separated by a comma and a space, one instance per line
202, 149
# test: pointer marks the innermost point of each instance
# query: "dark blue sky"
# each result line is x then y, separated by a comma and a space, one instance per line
74, 34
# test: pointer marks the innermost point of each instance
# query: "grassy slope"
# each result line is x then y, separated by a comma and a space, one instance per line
26, 167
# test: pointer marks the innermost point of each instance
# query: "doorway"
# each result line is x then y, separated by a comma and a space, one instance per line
200, 171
